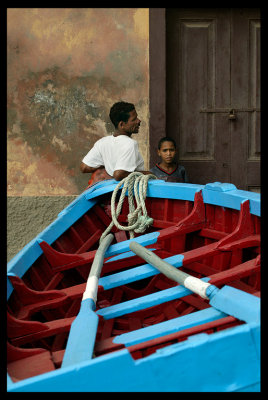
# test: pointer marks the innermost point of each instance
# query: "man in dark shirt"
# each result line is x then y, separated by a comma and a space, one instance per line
168, 169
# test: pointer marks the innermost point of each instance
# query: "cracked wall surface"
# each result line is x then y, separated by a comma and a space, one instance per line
66, 67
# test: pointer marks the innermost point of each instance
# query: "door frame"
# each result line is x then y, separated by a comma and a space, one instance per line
157, 80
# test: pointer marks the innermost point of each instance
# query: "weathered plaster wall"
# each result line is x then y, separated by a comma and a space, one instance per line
66, 67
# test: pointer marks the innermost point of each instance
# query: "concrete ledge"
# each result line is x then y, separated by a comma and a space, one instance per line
29, 215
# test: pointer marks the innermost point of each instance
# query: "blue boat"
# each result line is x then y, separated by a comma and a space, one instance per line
150, 333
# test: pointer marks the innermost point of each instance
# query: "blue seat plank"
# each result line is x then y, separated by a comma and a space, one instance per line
136, 273
170, 326
143, 302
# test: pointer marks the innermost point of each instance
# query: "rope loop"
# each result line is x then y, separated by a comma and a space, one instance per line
138, 219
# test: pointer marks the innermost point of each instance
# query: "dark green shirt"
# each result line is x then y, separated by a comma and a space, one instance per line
177, 175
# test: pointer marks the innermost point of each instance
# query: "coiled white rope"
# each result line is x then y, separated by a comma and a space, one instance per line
138, 219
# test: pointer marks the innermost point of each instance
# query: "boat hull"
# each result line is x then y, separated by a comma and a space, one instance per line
153, 335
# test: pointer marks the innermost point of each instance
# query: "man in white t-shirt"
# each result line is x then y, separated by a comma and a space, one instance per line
118, 154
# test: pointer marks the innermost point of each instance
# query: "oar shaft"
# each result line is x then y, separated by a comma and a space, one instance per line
93, 278
99, 256
188, 281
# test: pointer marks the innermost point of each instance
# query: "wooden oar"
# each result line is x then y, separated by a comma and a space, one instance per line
83, 330
229, 300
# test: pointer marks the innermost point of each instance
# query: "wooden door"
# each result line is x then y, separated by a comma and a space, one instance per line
213, 93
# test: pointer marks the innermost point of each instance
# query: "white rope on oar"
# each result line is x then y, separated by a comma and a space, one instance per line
138, 219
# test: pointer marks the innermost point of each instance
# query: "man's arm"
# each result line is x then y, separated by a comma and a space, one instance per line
85, 168
120, 174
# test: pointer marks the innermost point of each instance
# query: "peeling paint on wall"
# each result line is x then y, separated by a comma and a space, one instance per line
29, 173
66, 67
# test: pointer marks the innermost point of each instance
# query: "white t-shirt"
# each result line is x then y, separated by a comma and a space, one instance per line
115, 152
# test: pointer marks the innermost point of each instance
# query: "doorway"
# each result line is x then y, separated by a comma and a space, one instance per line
213, 93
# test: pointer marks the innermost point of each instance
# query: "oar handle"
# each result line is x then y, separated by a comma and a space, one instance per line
93, 278
190, 282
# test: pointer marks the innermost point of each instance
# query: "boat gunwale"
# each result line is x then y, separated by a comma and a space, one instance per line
66, 379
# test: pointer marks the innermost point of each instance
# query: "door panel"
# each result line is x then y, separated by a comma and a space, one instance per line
213, 67
197, 80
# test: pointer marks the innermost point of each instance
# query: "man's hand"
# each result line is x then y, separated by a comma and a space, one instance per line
120, 174
85, 168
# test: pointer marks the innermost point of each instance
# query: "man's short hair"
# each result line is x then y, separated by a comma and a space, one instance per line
166, 139
120, 112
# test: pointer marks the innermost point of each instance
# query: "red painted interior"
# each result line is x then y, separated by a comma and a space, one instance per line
221, 243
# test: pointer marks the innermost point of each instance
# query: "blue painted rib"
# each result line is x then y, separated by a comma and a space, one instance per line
122, 247
147, 301
143, 302
170, 326
136, 273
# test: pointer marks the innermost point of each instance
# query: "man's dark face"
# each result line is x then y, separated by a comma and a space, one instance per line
133, 123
